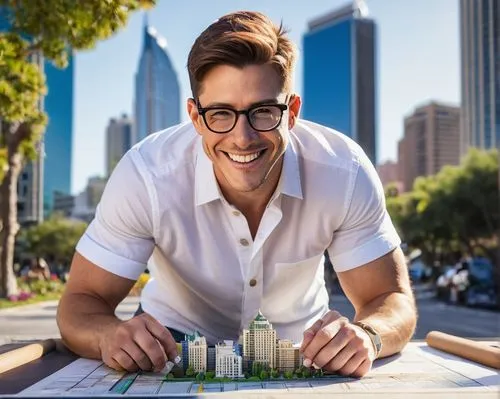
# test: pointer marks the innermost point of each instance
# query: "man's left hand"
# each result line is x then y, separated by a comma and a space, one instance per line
335, 345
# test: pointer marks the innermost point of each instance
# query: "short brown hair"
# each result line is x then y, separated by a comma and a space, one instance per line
239, 39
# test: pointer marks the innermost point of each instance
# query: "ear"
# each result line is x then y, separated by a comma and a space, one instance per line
192, 110
294, 109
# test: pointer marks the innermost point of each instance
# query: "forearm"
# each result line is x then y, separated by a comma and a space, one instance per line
394, 316
82, 319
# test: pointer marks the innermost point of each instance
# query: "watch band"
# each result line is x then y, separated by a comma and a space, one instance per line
373, 334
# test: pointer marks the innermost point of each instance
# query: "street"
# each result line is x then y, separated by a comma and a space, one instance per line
38, 321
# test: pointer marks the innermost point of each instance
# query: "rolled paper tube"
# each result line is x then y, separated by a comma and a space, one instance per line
25, 354
479, 352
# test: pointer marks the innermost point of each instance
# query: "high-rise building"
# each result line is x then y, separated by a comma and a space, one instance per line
197, 352
259, 342
431, 141
288, 356
228, 363
339, 74
58, 137
480, 76
157, 98
118, 141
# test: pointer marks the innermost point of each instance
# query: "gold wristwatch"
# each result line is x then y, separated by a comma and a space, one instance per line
374, 336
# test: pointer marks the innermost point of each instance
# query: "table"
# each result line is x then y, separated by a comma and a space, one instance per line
418, 370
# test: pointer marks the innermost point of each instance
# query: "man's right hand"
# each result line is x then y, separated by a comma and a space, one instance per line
139, 343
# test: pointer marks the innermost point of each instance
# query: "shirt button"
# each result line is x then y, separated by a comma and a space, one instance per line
236, 213
253, 282
244, 242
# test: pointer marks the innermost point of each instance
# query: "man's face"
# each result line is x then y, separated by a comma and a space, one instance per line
244, 159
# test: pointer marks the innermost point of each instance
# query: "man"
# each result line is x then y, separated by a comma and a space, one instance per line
235, 209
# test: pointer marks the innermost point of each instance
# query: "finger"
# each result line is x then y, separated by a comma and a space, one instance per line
113, 364
342, 358
138, 355
334, 347
362, 369
125, 361
322, 338
150, 346
310, 333
164, 338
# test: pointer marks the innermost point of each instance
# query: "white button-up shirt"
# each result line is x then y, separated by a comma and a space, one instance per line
162, 204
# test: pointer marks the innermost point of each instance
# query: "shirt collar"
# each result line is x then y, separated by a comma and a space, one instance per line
207, 188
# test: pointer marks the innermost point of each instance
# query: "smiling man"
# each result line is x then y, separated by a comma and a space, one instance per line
234, 211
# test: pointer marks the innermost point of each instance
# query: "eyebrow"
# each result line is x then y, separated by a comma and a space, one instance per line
226, 105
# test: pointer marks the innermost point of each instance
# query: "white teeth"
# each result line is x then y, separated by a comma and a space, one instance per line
244, 158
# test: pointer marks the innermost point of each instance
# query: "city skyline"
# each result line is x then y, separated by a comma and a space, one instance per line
413, 67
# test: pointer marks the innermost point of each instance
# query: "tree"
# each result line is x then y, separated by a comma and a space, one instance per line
55, 239
264, 375
288, 374
210, 375
306, 373
200, 376
275, 373
190, 371
39, 30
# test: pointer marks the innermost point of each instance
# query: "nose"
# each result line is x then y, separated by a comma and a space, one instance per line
243, 134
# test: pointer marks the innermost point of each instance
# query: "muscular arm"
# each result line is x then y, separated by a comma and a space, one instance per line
381, 294
87, 308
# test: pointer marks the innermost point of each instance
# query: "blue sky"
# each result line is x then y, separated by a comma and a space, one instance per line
418, 60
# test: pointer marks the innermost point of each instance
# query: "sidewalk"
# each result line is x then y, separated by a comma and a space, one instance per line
38, 321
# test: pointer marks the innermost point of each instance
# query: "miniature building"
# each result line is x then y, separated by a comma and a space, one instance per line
197, 352
228, 363
259, 342
288, 357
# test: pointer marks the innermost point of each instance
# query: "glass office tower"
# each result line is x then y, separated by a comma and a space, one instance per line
480, 73
339, 86
157, 97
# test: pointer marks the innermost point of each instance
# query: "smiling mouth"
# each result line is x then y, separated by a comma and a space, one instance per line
245, 159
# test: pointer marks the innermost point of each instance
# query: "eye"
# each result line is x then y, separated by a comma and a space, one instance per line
219, 114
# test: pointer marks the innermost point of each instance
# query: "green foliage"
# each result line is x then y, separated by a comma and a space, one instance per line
306, 373
254, 378
41, 287
200, 376
298, 372
190, 371
264, 375
210, 375
288, 374
54, 239
256, 369
170, 376
454, 210
275, 373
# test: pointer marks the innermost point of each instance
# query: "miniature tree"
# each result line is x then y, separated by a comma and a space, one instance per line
210, 375
190, 371
288, 375
275, 373
264, 375
298, 373
200, 376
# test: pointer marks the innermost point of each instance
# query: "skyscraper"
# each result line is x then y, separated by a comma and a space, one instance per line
430, 142
157, 98
118, 140
480, 60
58, 137
259, 342
339, 74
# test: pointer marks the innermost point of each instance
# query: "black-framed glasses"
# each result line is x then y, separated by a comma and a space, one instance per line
261, 117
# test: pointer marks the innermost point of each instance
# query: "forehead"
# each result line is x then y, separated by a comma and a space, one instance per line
240, 86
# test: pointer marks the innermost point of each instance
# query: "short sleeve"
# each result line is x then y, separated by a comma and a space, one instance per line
120, 238
367, 232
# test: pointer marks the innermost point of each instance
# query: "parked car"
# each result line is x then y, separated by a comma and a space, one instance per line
480, 290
